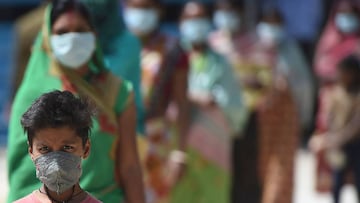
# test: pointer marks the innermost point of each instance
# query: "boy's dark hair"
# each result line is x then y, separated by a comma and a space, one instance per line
60, 7
58, 109
350, 64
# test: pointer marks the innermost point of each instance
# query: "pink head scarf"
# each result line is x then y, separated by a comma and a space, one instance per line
334, 45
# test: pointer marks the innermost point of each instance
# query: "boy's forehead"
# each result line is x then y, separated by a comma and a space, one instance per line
56, 135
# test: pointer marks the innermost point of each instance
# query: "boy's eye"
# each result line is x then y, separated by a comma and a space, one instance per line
68, 148
43, 149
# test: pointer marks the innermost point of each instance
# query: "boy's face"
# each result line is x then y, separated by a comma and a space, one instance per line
58, 139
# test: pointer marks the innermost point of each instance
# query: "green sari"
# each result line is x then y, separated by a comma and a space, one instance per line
207, 178
110, 94
120, 47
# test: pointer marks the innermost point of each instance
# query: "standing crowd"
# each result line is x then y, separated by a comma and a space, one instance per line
111, 108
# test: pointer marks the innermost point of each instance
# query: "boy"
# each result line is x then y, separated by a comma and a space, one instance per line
58, 125
342, 140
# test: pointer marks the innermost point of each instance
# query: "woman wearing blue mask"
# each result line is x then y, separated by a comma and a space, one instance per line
284, 104
232, 40
340, 38
66, 56
112, 36
164, 67
230, 28
217, 115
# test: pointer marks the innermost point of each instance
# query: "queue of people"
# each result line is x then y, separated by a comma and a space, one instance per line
214, 114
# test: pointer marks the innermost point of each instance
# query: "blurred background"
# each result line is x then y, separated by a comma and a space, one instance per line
304, 22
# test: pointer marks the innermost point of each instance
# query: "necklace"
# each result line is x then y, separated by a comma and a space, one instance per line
64, 201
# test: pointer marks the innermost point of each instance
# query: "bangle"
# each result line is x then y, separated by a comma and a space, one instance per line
178, 156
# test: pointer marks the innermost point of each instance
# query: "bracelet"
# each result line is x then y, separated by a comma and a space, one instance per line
178, 156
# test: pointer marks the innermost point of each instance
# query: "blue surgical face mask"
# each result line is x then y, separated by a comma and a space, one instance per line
347, 22
73, 49
141, 21
226, 20
270, 33
195, 30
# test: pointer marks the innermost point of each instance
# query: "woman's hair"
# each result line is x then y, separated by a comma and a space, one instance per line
272, 13
60, 7
354, 6
233, 4
194, 3
58, 109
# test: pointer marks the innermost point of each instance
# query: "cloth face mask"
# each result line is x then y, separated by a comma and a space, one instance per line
269, 33
73, 49
58, 170
141, 21
226, 20
347, 22
195, 30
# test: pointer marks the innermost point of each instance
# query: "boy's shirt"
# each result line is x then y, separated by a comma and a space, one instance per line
343, 106
35, 198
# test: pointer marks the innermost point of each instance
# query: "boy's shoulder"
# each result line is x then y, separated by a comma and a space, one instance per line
91, 199
31, 198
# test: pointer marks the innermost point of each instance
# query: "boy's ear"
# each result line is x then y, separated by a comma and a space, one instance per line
30, 150
87, 149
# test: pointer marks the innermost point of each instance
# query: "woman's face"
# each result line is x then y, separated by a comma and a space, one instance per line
193, 10
195, 24
144, 4
70, 21
142, 17
345, 7
347, 19
73, 41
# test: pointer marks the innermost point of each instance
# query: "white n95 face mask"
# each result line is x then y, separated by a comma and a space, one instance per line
195, 30
141, 21
226, 20
73, 49
270, 33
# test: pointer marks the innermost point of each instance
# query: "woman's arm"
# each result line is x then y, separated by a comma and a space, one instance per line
182, 102
129, 164
177, 158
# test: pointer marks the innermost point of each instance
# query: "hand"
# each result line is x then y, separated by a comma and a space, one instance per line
202, 98
281, 83
175, 171
175, 167
317, 143
332, 142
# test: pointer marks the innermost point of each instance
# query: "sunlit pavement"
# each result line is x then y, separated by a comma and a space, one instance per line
305, 183
304, 189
